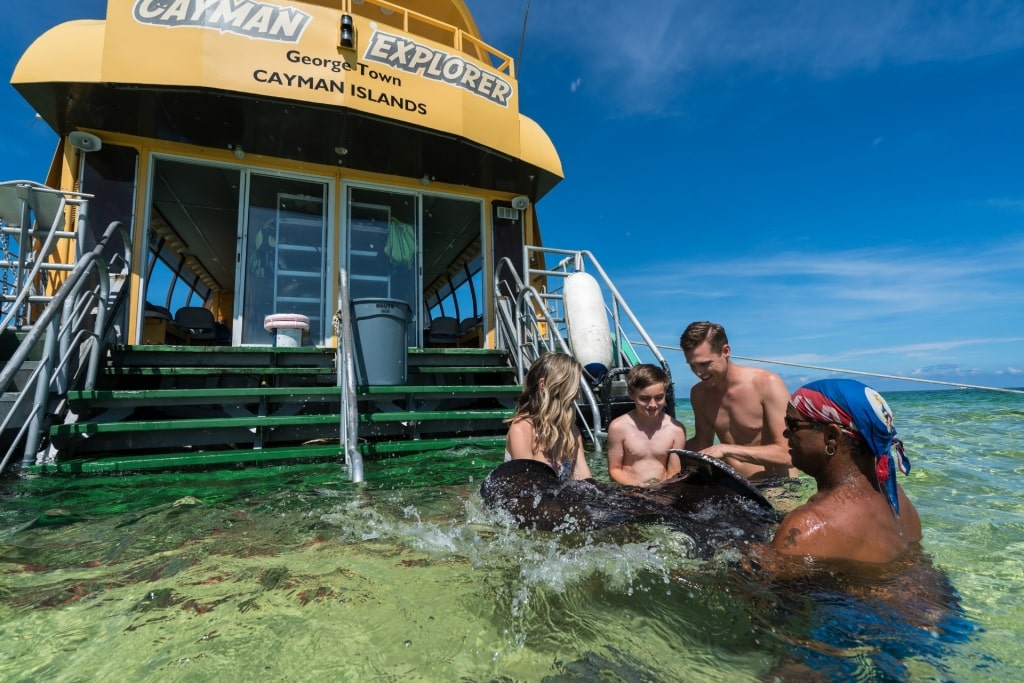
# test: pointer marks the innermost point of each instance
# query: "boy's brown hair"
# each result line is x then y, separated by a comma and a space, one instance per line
644, 375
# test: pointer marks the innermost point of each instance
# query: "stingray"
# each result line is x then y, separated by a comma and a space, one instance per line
708, 501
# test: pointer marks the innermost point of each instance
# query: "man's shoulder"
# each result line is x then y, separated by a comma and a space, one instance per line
749, 372
803, 525
765, 382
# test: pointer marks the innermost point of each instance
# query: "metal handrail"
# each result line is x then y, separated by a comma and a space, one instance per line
28, 193
65, 317
525, 346
346, 369
577, 261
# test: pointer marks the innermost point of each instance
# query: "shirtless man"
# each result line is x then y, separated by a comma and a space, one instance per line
743, 406
639, 441
841, 433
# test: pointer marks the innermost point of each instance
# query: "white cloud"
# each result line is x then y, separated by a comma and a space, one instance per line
643, 56
884, 310
1016, 205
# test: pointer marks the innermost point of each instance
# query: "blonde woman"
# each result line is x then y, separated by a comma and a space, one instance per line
543, 427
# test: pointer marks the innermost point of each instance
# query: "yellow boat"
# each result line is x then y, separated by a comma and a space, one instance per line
283, 230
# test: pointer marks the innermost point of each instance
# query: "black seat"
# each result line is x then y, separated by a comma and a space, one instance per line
198, 321
444, 331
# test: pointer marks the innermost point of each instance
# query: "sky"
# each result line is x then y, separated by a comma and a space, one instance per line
840, 185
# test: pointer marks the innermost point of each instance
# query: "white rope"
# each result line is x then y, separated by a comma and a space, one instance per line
958, 385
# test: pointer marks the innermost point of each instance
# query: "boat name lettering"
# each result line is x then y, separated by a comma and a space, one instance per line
326, 85
339, 65
364, 93
244, 17
297, 81
412, 57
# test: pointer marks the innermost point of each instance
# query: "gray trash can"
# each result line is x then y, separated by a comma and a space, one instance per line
379, 328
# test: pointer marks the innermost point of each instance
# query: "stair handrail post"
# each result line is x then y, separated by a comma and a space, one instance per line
76, 309
42, 395
529, 295
49, 318
346, 368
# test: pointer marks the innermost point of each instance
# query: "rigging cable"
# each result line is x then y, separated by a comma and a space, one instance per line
957, 385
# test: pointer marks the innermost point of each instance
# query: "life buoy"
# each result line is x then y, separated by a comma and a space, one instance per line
586, 323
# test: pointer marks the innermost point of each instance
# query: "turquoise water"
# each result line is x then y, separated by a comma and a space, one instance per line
295, 574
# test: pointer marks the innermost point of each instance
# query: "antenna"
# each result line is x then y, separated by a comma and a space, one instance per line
522, 38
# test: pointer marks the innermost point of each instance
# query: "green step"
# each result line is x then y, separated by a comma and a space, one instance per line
436, 415
165, 461
425, 445
448, 351
126, 463
150, 397
220, 395
436, 391
461, 369
127, 426
180, 371
223, 350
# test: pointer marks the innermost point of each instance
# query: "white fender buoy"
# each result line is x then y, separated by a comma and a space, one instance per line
586, 323
287, 328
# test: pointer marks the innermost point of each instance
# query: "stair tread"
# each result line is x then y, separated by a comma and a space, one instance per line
229, 392
436, 415
461, 368
203, 458
128, 370
164, 397
125, 426
225, 350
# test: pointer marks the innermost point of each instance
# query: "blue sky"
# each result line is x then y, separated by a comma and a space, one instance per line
839, 184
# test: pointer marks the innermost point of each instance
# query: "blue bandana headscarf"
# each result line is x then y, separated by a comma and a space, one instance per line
863, 413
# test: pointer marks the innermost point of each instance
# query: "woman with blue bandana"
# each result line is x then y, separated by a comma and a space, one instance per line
841, 433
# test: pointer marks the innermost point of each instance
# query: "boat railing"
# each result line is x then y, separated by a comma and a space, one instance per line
624, 325
410, 21
526, 329
346, 369
43, 253
72, 328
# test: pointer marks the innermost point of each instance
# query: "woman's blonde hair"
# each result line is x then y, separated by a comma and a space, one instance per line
551, 408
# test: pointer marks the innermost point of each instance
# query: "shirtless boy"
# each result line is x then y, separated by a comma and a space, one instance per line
639, 441
743, 406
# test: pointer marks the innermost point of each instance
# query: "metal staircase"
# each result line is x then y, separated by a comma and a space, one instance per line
178, 407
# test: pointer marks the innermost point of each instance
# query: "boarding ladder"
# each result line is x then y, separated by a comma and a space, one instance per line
531, 319
56, 307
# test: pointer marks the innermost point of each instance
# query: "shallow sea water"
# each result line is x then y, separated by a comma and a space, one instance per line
296, 574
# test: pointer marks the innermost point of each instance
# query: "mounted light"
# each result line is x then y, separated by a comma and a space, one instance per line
87, 142
348, 32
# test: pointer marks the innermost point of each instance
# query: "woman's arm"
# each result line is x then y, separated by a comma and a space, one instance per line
581, 470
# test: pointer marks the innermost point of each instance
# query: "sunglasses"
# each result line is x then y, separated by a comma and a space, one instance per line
794, 424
